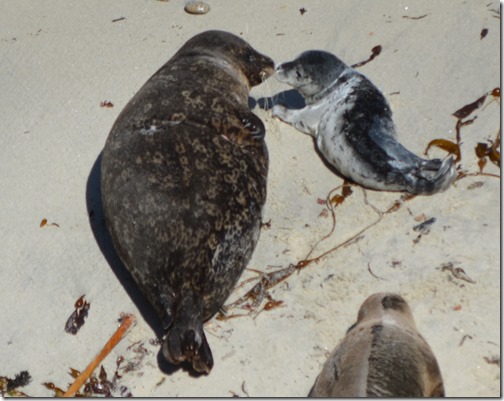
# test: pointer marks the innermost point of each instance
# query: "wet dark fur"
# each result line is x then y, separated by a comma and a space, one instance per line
184, 175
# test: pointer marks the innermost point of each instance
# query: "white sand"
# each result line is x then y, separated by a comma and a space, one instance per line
58, 61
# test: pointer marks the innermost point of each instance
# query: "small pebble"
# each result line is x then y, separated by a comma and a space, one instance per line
197, 7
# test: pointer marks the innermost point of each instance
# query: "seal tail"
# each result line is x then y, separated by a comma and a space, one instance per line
188, 345
185, 340
433, 176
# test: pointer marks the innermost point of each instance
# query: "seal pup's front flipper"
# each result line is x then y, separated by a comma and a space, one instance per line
305, 120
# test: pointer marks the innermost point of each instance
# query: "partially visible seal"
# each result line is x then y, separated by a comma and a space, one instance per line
382, 355
352, 124
184, 175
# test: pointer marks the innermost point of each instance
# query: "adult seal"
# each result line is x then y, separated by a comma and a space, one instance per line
352, 124
183, 181
382, 355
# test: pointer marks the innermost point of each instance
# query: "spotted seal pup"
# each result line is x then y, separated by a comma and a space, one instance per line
352, 124
183, 182
382, 355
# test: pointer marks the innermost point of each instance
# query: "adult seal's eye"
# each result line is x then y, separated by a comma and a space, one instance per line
250, 57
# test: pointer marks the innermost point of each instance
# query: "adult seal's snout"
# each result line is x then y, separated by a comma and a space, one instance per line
184, 175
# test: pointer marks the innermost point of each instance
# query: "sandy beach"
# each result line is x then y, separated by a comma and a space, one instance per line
67, 71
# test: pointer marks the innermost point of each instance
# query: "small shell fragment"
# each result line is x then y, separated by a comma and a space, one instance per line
197, 7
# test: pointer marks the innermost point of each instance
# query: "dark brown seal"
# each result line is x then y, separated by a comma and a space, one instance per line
184, 174
382, 355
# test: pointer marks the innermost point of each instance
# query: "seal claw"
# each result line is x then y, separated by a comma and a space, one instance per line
253, 125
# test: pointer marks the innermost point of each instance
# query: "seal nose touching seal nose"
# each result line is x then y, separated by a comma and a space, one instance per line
184, 173
353, 127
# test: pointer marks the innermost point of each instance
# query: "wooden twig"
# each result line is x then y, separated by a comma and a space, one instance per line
127, 321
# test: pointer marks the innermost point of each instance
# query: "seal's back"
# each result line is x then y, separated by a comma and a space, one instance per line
184, 173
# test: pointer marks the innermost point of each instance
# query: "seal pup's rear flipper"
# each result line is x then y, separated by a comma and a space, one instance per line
427, 183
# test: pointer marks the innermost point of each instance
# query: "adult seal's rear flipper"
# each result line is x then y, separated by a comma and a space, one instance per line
189, 344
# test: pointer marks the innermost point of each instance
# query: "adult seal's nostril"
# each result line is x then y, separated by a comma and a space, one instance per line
184, 175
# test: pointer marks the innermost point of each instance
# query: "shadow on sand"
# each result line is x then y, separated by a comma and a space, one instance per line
291, 99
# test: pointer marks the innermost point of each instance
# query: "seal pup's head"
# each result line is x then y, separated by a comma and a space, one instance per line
311, 72
231, 51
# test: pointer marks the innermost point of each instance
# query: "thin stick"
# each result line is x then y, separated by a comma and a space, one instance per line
127, 321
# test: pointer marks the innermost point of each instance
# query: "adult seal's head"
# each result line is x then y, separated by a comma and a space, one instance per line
184, 173
382, 355
229, 48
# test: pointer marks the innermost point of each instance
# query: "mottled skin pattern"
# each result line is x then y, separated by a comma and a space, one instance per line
382, 355
184, 175
352, 124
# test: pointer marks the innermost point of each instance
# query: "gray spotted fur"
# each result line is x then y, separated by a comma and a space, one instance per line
184, 175
353, 127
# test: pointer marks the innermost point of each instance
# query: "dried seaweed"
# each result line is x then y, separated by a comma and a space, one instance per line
106, 103
266, 281
470, 108
483, 150
76, 319
375, 51
493, 360
456, 272
424, 228
445, 144
100, 386
9, 387
43, 223
490, 151
415, 18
